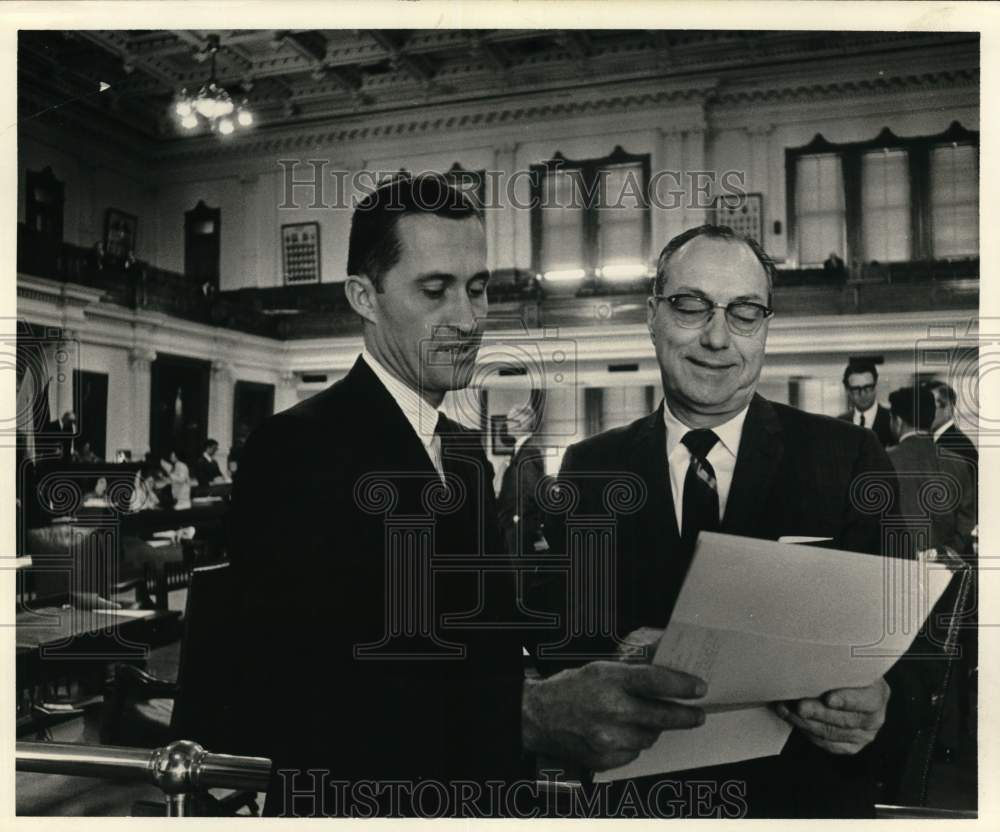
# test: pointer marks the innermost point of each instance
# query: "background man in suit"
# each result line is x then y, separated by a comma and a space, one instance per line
206, 468
946, 432
718, 456
340, 494
521, 518
920, 463
860, 382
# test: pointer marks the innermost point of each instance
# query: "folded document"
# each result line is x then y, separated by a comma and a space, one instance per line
762, 622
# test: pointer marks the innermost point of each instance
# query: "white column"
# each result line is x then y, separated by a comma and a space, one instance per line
500, 218
810, 394
757, 181
220, 405
67, 357
140, 362
696, 209
671, 192
285, 393
252, 235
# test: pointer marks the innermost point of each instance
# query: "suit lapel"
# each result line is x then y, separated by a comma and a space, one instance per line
760, 453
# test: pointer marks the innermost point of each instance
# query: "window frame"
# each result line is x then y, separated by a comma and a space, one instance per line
589, 171
918, 150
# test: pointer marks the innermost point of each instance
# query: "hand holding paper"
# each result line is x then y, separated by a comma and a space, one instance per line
765, 622
842, 721
601, 715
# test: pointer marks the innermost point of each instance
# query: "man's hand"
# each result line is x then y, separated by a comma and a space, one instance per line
842, 721
603, 714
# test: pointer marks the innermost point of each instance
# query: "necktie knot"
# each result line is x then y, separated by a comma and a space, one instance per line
700, 442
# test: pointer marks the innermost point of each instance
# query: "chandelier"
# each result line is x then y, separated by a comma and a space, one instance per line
212, 106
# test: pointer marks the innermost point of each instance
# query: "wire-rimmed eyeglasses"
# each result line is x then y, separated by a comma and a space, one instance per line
743, 317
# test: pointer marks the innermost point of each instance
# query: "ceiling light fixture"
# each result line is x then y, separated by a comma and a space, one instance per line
212, 107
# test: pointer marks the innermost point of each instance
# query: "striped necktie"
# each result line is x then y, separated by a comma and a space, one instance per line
700, 506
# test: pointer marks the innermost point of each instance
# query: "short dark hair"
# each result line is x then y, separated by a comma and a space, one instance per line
210, 443
860, 365
914, 405
374, 246
947, 389
713, 232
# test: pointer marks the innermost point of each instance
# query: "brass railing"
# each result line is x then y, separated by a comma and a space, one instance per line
180, 770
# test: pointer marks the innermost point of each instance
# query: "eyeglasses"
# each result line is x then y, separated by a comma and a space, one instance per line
743, 317
864, 389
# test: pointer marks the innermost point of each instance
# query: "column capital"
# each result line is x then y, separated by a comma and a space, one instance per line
139, 356
223, 368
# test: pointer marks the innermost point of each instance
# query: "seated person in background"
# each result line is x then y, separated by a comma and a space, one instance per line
206, 469
144, 497
98, 497
180, 479
85, 453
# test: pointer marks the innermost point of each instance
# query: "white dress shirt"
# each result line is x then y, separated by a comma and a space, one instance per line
942, 429
722, 457
421, 416
870, 415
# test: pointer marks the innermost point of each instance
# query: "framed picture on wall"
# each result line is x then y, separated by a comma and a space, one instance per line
300, 253
743, 213
119, 234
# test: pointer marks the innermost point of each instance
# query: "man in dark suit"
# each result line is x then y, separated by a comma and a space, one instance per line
206, 468
860, 383
361, 666
717, 456
921, 464
521, 518
946, 432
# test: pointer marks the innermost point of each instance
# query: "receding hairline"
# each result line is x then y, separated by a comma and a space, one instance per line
707, 239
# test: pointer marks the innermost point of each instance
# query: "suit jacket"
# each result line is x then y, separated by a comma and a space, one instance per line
521, 517
957, 442
793, 476
882, 426
206, 470
921, 465
332, 499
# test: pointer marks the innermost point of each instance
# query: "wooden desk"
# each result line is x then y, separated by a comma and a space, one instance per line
58, 647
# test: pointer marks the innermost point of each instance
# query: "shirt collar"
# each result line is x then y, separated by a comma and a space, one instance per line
910, 433
870, 415
728, 432
943, 428
520, 442
421, 416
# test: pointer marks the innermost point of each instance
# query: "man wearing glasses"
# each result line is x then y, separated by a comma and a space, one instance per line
714, 456
860, 379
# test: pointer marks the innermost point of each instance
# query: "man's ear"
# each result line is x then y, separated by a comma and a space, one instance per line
651, 304
360, 292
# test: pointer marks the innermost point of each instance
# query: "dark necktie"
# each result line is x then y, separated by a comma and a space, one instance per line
700, 508
862, 422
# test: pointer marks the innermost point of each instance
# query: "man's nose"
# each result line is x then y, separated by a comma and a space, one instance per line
468, 314
715, 333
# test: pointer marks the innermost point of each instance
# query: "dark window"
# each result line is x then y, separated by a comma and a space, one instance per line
201, 244
44, 214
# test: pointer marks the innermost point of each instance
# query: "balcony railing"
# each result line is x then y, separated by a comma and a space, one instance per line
321, 310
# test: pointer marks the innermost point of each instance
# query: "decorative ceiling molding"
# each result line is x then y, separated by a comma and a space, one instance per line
298, 79
588, 102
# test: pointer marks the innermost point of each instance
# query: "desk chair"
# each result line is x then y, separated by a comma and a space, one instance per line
141, 709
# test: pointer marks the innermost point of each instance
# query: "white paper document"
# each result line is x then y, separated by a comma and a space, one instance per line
762, 622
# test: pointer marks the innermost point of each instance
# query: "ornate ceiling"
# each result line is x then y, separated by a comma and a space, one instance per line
324, 76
